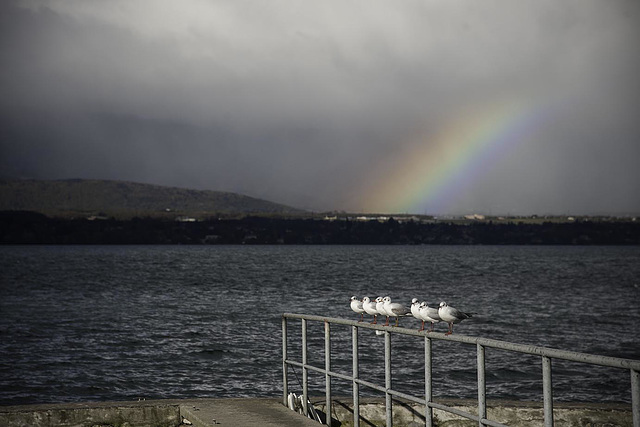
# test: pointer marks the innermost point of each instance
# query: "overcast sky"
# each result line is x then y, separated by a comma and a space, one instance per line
332, 105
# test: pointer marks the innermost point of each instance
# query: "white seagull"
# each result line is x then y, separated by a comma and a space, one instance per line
415, 306
356, 305
428, 314
415, 309
394, 309
380, 308
370, 308
451, 315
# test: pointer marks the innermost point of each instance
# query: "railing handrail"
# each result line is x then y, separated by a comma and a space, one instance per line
614, 362
546, 353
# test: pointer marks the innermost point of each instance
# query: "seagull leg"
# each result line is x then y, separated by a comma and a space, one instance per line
387, 324
375, 319
361, 317
450, 331
397, 320
422, 328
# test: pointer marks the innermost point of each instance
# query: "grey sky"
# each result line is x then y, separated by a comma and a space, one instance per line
320, 104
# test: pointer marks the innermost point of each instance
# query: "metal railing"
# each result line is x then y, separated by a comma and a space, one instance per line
546, 354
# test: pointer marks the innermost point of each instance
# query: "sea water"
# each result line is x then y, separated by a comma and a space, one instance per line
86, 323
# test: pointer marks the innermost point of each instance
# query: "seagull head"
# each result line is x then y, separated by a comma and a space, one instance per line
366, 299
443, 304
354, 298
414, 301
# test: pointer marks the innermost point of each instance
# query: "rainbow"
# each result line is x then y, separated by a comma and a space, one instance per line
431, 175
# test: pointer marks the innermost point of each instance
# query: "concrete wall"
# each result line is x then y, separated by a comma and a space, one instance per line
511, 413
98, 414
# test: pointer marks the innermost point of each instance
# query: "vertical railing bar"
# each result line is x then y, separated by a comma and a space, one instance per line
305, 371
356, 386
387, 377
428, 391
482, 389
547, 391
327, 367
285, 379
635, 397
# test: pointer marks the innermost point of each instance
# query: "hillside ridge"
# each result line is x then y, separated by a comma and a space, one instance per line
72, 197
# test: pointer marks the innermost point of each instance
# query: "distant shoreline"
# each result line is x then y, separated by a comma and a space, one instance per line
34, 228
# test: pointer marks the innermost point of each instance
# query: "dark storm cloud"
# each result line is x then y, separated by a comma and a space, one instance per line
301, 103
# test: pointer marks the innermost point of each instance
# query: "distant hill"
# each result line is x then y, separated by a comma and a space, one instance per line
123, 199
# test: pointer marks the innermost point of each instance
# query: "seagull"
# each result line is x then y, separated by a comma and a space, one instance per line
451, 315
370, 308
380, 308
356, 305
415, 306
415, 309
428, 314
394, 309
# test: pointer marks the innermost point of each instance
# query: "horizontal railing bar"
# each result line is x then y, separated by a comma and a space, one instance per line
371, 385
407, 397
321, 370
614, 362
301, 365
342, 376
454, 411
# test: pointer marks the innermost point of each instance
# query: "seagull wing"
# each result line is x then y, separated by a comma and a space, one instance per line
399, 310
433, 313
459, 314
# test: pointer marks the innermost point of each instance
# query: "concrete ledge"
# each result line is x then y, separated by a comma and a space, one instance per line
156, 413
511, 413
151, 413
270, 412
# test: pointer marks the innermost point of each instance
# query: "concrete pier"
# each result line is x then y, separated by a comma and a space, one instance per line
269, 412
156, 413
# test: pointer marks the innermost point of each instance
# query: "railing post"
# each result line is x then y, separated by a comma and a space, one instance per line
356, 388
305, 371
547, 391
327, 368
482, 388
285, 379
428, 411
387, 377
635, 397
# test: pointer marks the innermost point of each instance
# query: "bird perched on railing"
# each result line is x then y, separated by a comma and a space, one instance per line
451, 315
428, 314
415, 307
394, 309
380, 308
356, 305
370, 308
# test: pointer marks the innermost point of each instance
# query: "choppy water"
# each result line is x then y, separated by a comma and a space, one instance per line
81, 323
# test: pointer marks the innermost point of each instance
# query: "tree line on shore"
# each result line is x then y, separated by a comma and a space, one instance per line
34, 228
